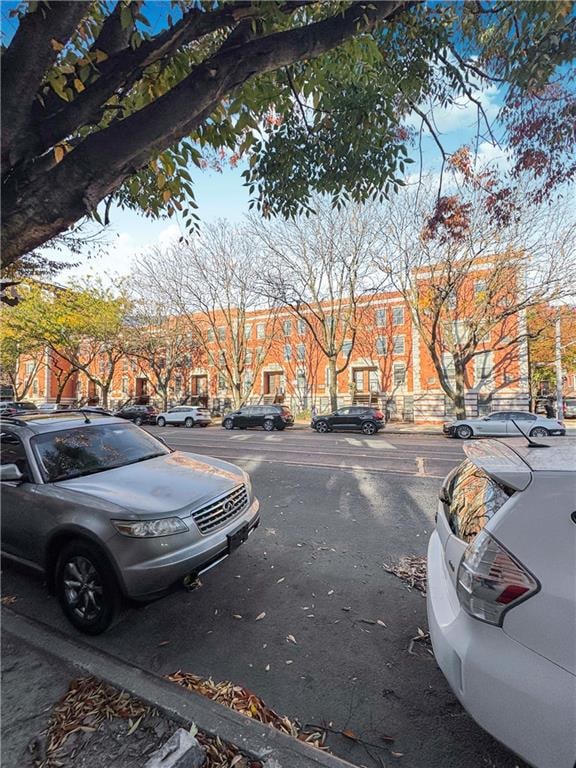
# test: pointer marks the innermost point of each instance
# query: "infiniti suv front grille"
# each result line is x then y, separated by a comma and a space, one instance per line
222, 510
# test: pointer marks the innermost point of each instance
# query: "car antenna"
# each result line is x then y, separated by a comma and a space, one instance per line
86, 419
531, 443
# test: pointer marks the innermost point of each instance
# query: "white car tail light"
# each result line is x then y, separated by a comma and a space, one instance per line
491, 581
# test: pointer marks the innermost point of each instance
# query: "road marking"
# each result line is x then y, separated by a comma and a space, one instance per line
380, 444
272, 437
239, 437
420, 464
353, 441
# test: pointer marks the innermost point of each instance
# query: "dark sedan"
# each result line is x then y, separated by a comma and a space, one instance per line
365, 419
269, 417
139, 414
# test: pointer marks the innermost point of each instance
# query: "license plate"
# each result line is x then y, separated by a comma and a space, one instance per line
235, 539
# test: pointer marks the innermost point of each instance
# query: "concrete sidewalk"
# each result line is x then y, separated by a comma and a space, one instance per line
38, 664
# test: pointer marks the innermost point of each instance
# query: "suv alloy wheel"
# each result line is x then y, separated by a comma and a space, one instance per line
321, 426
268, 425
228, 423
138, 421
189, 422
161, 421
464, 432
368, 428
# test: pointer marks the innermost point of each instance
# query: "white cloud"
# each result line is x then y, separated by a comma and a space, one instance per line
462, 114
169, 235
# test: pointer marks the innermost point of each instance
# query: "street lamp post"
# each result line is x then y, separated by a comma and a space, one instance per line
559, 398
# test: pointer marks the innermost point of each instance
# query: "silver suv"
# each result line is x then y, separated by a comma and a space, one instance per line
110, 512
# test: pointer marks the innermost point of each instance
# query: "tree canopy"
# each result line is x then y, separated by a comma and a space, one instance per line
101, 105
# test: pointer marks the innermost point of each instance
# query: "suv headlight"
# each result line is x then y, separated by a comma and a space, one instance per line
142, 529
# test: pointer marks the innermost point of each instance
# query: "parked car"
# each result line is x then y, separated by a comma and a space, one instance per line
500, 598
363, 418
139, 414
14, 407
50, 407
501, 424
270, 417
187, 415
110, 512
570, 408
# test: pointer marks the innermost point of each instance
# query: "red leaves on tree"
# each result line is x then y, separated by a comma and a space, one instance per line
450, 221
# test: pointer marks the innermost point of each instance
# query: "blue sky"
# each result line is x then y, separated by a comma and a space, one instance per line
222, 195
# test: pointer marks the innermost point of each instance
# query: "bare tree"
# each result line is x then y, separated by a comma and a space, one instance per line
212, 288
470, 265
321, 268
157, 338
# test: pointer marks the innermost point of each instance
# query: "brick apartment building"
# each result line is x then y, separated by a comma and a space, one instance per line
389, 365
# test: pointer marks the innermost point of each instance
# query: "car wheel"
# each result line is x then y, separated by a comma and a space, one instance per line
539, 432
87, 588
228, 424
368, 428
138, 421
189, 422
269, 425
161, 422
321, 426
464, 432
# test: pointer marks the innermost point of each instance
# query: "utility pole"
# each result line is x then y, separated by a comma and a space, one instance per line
559, 399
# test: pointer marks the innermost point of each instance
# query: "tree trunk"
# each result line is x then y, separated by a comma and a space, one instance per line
237, 394
459, 390
333, 388
104, 390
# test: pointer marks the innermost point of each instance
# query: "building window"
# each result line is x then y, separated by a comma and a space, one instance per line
222, 358
451, 301
247, 331
399, 374
29, 367
248, 356
483, 368
222, 333
346, 348
287, 352
398, 345
398, 316
259, 354
35, 387
125, 385
381, 345
380, 317
125, 364
221, 381
178, 384
301, 351
260, 330
448, 366
210, 334
287, 327
301, 327
479, 287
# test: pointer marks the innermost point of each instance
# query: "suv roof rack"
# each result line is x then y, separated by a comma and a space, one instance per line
12, 419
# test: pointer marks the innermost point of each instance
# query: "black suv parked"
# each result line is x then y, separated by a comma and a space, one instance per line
14, 408
268, 416
139, 414
361, 417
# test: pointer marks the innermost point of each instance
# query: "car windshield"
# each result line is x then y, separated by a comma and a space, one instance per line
70, 453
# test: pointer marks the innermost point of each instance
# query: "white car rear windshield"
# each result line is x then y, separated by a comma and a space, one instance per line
70, 453
473, 498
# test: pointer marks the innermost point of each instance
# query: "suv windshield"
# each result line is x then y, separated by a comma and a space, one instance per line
92, 448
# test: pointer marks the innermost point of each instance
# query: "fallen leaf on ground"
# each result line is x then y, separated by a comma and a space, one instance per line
280, 580
236, 615
289, 661
134, 725
164, 642
381, 623
267, 667
350, 735
368, 621
260, 616
291, 639
331, 592
397, 754
411, 570
8, 600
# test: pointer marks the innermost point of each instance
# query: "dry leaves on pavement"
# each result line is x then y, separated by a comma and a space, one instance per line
412, 571
8, 600
89, 702
247, 703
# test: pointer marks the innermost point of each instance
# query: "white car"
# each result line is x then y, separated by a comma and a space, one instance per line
501, 595
504, 423
187, 415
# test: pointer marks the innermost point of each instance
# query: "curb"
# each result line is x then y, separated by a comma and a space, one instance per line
273, 748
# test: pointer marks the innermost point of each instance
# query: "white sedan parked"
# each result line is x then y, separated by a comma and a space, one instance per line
501, 595
501, 424
187, 415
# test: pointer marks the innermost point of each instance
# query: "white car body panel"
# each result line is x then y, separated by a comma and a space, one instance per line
519, 680
179, 414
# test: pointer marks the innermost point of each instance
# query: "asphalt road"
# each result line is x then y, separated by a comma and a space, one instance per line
335, 510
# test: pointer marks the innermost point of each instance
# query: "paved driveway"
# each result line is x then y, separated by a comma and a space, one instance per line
315, 568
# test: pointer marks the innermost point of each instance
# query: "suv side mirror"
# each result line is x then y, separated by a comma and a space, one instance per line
10, 472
